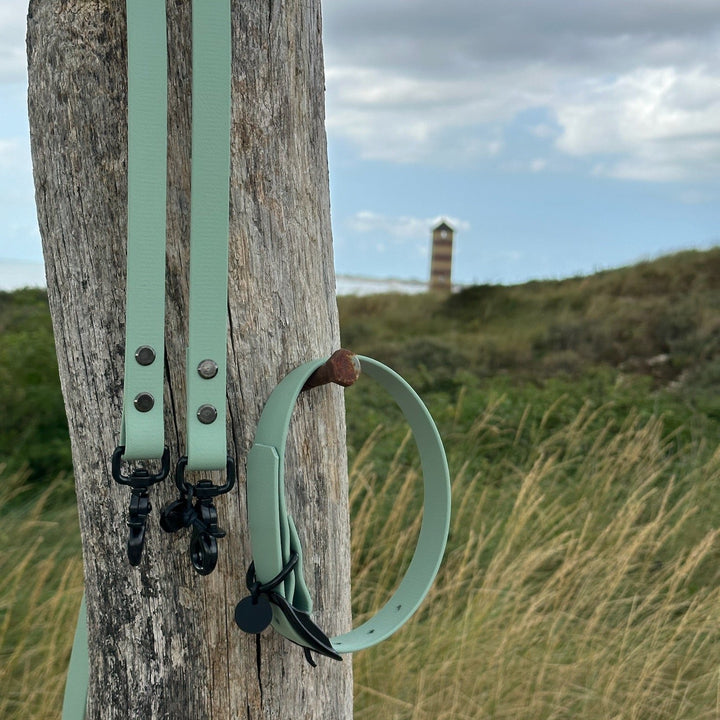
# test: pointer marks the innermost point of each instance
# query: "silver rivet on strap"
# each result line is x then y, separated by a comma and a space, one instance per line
144, 402
145, 355
207, 414
207, 369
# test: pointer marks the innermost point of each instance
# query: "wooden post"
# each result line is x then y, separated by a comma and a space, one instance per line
162, 640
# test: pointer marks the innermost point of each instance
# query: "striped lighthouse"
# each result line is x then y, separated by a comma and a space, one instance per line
441, 262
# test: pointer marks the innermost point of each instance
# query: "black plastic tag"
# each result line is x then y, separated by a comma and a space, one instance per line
253, 616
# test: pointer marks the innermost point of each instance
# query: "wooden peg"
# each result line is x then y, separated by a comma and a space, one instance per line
342, 368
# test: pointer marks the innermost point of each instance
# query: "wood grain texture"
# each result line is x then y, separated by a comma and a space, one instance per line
162, 639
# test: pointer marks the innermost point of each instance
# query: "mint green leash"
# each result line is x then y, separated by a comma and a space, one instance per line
142, 428
279, 595
142, 433
76, 685
209, 229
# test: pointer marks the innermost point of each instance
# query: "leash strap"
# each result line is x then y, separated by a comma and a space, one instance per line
142, 431
277, 572
206, 354
76, 684
209, 230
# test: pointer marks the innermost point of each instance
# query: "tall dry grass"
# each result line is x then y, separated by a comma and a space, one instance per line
595, 597
40, 591
584, 585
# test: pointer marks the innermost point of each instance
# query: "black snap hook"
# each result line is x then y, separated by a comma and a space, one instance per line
203, 552
174, 516
203, 543
139, 480
194, 508
140, 508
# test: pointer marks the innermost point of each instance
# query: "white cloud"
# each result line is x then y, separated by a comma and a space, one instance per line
400, 118
631, 85
660, 123
401, 228
12, 40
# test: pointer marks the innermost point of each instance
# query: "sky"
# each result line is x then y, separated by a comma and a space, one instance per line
558, 137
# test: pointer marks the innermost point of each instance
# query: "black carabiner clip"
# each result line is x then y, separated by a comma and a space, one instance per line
138, 480
140, 508
194, 508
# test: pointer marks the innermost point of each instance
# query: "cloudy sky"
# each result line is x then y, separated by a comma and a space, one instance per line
557, 136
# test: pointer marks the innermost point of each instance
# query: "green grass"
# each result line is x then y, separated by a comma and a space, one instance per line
40, 591
591, 590
582, 576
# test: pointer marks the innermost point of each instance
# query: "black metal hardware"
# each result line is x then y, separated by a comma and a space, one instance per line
204, 488
140, 477
139, 480
194, 508
140, 508
254, 613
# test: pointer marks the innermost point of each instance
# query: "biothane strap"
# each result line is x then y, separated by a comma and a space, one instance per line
209, 228
277, 571
76, 684
142, 433
206, 359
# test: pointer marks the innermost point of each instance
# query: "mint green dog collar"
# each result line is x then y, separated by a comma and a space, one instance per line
278, 594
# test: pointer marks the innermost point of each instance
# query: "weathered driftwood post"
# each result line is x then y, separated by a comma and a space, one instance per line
162, 639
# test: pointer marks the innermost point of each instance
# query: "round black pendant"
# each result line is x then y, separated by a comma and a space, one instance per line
253, 616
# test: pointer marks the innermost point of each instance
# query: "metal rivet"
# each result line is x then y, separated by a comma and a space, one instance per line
207, 414
145, 355
207, 369
144, 402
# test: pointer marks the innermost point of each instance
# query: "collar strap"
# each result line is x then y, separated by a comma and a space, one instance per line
277, 575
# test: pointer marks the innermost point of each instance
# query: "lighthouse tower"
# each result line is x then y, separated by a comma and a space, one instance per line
441, 262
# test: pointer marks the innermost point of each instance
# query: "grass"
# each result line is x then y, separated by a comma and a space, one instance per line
583, 583
582, 576
595, 598
40, 591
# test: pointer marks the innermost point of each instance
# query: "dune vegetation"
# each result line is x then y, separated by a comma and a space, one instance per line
582, 576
